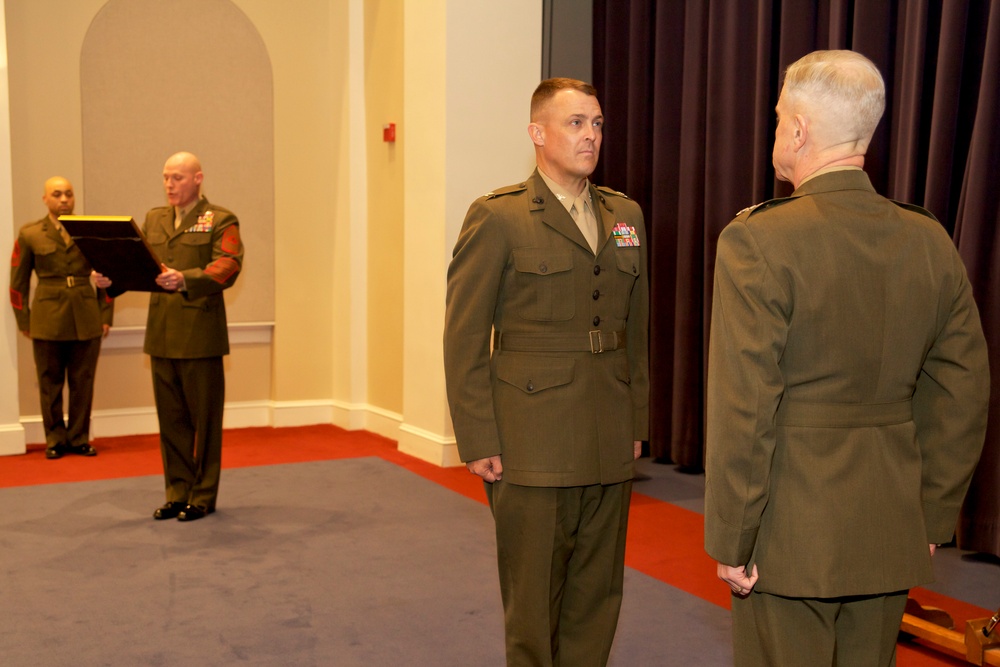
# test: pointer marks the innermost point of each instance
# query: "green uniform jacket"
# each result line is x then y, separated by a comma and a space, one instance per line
847, 391
66, 306
560, 416
208, 251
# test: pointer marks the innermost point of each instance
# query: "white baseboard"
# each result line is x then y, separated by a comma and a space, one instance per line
12, 439
301, 413
411, 440
427, 446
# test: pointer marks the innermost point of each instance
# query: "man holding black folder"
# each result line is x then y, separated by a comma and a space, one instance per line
186, 335
65, 322
201, 252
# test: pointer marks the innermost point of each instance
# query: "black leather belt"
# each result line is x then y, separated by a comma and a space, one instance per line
592, 341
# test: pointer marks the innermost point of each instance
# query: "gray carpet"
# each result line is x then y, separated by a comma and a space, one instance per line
353, 562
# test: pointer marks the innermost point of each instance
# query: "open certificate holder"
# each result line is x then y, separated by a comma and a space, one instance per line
115, 247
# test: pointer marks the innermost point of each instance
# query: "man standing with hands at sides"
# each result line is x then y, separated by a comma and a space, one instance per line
552, 271
186, 335
66, 321
847, 389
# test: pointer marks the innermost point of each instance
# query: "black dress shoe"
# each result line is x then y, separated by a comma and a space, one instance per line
168, 511
55, 452
82, 450
193, 513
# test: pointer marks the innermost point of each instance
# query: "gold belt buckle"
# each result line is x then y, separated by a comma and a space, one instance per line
596, 349
70, 281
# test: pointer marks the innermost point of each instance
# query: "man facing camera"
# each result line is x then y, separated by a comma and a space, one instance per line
66, 320
847, 389
186, 335
552, 272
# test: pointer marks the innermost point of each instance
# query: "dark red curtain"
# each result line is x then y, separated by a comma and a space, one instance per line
688, 90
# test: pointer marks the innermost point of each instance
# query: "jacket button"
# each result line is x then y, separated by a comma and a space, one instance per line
542, 268
597, 270
537, 200
531, 386
597, 320
597, 294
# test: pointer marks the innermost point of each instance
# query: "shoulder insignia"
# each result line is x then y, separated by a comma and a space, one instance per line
762, 206
748, 209
916, 209
506, 190
611, 191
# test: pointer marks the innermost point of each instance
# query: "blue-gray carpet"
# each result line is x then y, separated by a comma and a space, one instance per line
347, 562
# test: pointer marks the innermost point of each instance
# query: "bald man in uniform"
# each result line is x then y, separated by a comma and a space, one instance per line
847, 389
66, 320
187, 335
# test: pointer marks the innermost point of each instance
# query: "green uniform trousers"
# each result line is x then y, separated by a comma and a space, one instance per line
190, 396
73, 363
801, 632
561, 559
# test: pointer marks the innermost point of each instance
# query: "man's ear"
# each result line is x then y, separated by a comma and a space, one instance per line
801, 131
537, 134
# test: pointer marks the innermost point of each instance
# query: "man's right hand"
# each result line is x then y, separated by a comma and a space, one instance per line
491, 469
100, 280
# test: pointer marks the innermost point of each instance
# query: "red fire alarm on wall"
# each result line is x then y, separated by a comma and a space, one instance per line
389, 132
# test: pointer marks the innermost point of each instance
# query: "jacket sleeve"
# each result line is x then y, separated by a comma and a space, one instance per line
745, 384
107, 305
22, 263
637, 334
950, 406
226, 262
474, 278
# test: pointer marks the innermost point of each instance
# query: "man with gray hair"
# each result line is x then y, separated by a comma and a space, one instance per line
847, 389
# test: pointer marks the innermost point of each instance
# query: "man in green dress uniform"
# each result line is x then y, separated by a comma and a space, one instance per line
201, 252
552, 272
847, 389
66, 320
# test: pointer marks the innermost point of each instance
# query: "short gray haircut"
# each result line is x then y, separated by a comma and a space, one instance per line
844, 82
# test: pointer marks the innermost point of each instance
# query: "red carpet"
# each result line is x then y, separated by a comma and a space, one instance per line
664, 542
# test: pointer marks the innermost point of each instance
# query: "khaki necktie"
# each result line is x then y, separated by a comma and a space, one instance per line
585, 219
65, 235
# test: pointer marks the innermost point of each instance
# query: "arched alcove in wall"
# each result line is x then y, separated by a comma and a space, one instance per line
160, 77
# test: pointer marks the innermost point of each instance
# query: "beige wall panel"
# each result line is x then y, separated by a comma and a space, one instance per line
306, 41
384, 90
305, 44
158, 77
43, 57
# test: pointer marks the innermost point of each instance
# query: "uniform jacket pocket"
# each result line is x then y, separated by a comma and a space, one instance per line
544, 289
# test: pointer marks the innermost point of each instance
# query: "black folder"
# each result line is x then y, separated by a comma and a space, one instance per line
115, 247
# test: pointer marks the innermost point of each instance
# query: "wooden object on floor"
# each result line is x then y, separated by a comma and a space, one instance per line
936, 627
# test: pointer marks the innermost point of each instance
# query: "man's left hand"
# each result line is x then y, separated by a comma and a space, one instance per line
737, 579
169, 279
